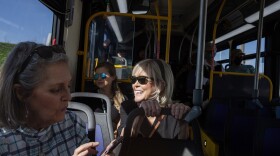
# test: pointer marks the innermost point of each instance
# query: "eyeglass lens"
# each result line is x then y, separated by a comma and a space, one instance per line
141, 79
102, 75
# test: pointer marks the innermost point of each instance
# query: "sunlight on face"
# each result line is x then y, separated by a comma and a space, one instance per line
48, 101
142, 92
102, 83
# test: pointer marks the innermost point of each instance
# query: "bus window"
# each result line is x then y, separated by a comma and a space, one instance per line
222, 55
250, 48
23, 21
253, 63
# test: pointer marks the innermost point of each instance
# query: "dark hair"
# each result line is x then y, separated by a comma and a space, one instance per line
118, 96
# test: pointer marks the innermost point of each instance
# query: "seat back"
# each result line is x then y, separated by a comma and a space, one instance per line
239, 85
104, 129
267, 137
239, 133
86, 114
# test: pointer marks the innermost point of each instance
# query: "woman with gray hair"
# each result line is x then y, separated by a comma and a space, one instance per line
34, 94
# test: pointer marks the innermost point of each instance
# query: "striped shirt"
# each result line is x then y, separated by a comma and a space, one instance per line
61, 138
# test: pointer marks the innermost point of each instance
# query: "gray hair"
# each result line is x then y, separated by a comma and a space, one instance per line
163, 77
12, 109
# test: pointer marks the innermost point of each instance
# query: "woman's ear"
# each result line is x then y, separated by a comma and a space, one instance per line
19, 91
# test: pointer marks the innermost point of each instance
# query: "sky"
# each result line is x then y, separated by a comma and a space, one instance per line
24, 20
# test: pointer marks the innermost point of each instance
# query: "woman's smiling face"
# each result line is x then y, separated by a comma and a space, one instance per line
143, 92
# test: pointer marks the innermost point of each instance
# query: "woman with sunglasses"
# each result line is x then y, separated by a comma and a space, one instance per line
106, 80
34, 93
153, 82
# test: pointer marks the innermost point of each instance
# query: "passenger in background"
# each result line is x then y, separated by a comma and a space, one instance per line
236, 63
210, 52
106, 80
153, 82
34, 93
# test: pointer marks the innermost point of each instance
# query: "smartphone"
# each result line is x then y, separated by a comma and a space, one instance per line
112, 146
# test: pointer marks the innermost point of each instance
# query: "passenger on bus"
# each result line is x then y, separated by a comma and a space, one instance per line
153, 82
236, 63
34, 93
210, 52
106, 80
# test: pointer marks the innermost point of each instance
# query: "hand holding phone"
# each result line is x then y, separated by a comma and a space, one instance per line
112, 146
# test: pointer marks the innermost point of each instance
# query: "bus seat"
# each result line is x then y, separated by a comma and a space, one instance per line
267, 137
104, 128
209, 146
239, 132
239, 85
86, 114
213, 120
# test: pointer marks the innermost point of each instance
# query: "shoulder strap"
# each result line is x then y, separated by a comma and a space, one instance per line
156, 126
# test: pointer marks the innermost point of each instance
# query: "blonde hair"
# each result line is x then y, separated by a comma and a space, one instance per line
163, 78
118, 96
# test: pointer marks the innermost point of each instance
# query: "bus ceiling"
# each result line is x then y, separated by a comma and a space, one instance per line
234, 14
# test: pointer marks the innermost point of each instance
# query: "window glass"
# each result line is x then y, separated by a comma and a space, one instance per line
251, 47
23, 21
222, 55
253, 63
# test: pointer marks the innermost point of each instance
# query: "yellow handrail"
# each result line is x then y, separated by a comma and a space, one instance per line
133, 16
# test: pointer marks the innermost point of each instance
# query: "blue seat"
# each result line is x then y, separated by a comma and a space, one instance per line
267, 137
239, 132
214, 118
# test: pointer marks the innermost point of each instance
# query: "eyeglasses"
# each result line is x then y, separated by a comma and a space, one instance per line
45, 52
141, 79
102, 75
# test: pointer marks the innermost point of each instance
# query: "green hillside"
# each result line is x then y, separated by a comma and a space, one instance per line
5, 48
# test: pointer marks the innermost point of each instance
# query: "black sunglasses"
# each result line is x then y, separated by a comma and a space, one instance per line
45, 52
102, 75
141, 79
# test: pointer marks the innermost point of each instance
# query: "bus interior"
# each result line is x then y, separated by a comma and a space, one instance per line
243, 110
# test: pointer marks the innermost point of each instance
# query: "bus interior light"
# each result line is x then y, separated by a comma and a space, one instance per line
267, 11
115, 27
234, 32
122, 6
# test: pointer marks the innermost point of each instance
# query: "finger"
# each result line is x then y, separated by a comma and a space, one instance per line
89, 151
177, 112
85, 147
173, 109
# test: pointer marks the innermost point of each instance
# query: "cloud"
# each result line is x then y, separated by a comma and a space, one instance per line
10, 23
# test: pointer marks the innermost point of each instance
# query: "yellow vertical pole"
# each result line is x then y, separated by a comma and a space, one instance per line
159, 29
168, 30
